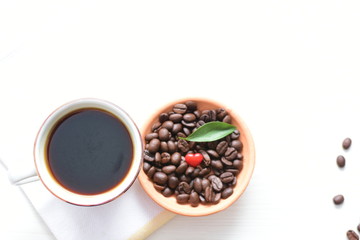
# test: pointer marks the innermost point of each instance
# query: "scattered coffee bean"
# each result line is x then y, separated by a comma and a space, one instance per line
346, 143
180, 108
340, 160
338, 199
351, 235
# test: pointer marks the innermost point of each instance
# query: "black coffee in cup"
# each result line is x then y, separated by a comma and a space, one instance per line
89, 151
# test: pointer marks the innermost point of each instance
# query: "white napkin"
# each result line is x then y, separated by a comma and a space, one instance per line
131, 216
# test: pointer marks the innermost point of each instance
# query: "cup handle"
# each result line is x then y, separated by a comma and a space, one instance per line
23, 176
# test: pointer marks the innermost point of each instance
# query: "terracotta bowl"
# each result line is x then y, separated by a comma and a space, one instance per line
243, 178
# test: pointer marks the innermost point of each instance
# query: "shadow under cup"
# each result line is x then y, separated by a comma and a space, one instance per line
88, 152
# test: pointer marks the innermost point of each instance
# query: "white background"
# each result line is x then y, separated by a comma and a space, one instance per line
290, 69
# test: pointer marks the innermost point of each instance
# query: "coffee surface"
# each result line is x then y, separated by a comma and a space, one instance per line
89, 151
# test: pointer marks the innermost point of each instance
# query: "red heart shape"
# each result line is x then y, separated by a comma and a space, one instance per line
193, 159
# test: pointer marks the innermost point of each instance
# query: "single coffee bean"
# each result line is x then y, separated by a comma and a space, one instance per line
217, 164
150, 157
205, 183
167, 192
230, 153
212, 115
164, 147
221, 147
173, 182
209, 194
158, 187
181, 135
182, 198
160, 178
351, 235
186, 131
227, 192
176, 128
189, 171
176, 158
163, 117
194, 199
191, 105
195, 173
216, 184
164, 134
151, 136
157, 158
184, 187
235, 135
220, 114
169, 169
212, 153
338, 199
197, 185
168, 125
236, 144
188, 124
176, 117
183, 145
346, 143
200, 123
151, 172
238, 164
156, 126
189, 117
234, 171
210, 178
217, 198
227, 119
180, 108
165, 157
197, 113
146, 167
227, 177
340, 160
184, 178
206, 157
204, 172
226, 162
181, 168
154, 145
171, 146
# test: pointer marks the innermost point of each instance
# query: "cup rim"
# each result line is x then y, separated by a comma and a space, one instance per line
44, 171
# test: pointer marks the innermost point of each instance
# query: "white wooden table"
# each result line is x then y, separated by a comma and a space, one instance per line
291, 69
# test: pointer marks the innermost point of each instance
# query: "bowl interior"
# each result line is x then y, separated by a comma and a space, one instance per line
243, 178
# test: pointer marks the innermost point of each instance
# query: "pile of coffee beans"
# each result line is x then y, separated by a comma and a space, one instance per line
164, 156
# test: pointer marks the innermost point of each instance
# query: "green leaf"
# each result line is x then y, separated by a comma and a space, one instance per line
210, 131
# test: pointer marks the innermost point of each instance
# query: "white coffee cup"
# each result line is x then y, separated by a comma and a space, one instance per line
44, 173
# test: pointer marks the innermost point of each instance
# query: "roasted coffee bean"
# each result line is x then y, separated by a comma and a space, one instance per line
181, 168
194, 199
151, 172
160, 178
157, 158
184, 178
205, 116
184, 187
173, 182
150, 136
338, 199
222, 147
234, 171
202, 199
227, 119
211, 177
197, 114
191, 105
168, 125
217, 164
158, 187
238, 164
188, 124
146, 167
167, 192
176, 117
351, 235
209, 194
197, 185
186, 131
189, 117
164, 147
340, 160
230, 153
233, 183
154, 145
236, 144
164, 134
176, 128
181, 135
150, 157
163, 117
171, 146
180, 108
176, 158
346, 143
182, 198
165, 157
189, 171
218, 172
227, 177
212, 115
156, 126
207, 159
216, 184
227, 192
235, 135
199, 123
239, 156
217, 198
183, 145
205, 183
220, 114
203, 172
195, 173
169, 169
213, 154
226, 162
